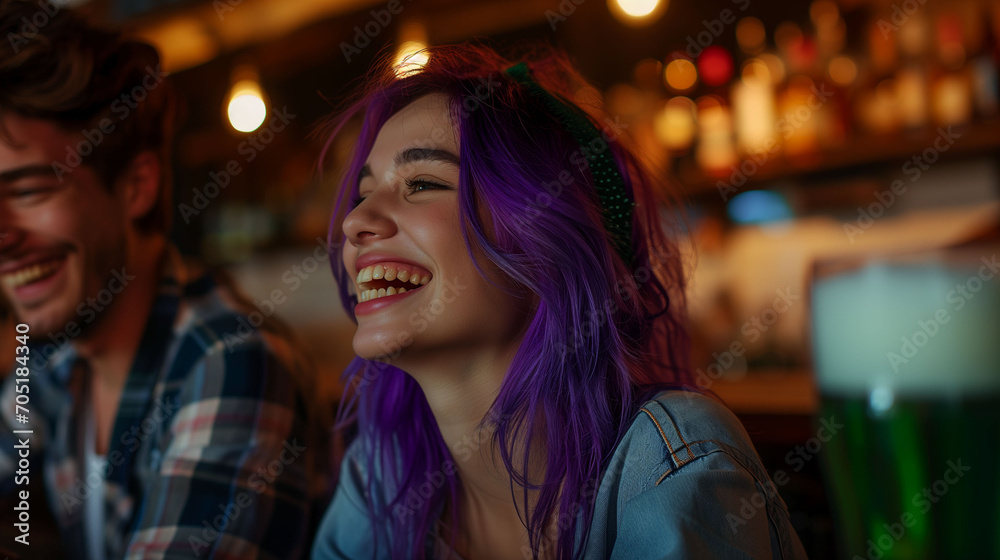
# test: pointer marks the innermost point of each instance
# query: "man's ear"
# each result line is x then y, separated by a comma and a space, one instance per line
141, 185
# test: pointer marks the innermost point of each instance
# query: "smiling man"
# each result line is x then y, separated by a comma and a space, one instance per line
153, 438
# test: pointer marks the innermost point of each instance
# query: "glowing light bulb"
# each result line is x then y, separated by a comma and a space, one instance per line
636, 12
246, 108
410, 58
638, 8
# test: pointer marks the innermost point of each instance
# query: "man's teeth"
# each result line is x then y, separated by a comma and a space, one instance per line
380, 272
29, 274
368, 295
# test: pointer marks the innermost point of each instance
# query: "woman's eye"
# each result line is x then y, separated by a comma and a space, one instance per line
417, 185
357, 201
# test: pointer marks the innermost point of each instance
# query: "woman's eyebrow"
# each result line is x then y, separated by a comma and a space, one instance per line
412, 155
425, 154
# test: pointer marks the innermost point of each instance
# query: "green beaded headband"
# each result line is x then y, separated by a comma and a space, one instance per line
608, 180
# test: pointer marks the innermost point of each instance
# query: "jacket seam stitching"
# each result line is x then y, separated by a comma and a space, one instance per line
677, 430
664, 436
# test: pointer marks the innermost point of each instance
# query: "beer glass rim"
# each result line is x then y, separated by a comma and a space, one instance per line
967, 251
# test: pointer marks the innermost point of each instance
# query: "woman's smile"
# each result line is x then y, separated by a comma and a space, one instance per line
387, 282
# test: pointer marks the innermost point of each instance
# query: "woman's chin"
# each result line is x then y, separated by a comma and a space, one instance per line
377, 347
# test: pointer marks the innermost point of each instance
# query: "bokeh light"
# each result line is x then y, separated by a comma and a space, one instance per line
775, 66
716, 151
637, 12
750, 35
787, 35
680, 75
824, 12
637, 8
759, 207
647, 73
715, 65
756, 70
842, 70
624, 100
675, 124
246, 111
245, 108
410, 58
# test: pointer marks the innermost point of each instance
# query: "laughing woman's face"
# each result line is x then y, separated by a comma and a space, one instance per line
420, 296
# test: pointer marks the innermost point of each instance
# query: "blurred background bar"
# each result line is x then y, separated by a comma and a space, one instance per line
796, 131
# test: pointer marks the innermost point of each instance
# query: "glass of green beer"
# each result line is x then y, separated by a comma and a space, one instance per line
906, 349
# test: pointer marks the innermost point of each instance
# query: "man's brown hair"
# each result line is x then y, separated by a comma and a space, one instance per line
55, 66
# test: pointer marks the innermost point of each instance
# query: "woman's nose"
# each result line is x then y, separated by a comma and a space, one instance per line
372, 219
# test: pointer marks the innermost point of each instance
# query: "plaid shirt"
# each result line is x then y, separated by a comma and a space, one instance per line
212, 453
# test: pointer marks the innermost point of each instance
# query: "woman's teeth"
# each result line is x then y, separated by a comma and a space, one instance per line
31, 273
404, 279
390, 273
368, 295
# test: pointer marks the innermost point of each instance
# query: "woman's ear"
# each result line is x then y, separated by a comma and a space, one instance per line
141, 185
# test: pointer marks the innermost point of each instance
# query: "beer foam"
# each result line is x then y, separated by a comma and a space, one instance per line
920, 329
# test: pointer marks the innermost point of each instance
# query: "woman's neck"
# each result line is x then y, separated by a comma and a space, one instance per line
460, 395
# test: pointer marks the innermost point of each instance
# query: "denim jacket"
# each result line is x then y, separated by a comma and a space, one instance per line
684, 482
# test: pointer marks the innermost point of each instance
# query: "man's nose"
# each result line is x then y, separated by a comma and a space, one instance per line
10, 234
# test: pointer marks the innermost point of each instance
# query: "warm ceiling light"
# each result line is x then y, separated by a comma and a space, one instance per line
411, 57
246, 108
638, 8
637, 12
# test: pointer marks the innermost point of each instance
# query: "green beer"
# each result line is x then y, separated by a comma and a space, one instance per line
907, 357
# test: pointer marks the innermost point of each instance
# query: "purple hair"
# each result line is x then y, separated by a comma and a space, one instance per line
604, 334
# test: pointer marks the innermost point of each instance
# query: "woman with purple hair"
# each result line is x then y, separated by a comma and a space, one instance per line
521, 387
